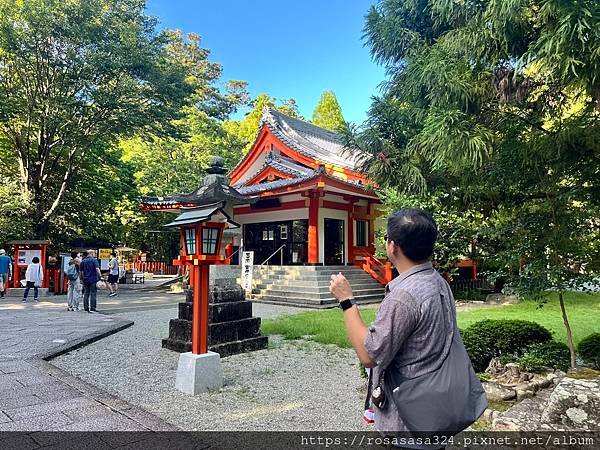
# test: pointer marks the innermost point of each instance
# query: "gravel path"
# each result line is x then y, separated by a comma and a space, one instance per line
293, 385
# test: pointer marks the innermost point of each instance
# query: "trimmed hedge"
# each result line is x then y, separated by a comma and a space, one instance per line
552, 354
488, 339
589, 350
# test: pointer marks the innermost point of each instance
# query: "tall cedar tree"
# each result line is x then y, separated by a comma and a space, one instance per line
494, 106
328, 113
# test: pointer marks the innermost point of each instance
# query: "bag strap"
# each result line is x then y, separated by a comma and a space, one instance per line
382, 371
369, 390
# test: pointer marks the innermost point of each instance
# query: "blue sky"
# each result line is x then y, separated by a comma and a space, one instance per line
284, 48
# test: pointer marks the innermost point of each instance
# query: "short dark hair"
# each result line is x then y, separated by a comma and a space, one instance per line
73, 254
114, 254
414, 231
35, 260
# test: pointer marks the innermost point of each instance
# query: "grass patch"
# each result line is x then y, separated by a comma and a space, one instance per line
327, 327
584, 374
583, 311
500, 406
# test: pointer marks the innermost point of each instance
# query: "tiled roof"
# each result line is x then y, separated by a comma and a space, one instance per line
308, 139
262, 187
213, 192
272, 185
286, 165
322, 145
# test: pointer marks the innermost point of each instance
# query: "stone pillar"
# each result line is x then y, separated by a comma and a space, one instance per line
231, 327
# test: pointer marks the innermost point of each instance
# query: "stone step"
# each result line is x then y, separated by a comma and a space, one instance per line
307, 269
320, 285
316, 294
224, 350
296, 305
219, 312
314, 278
218, 333
323, 284
243, 346
313, 303
19, 292
219, 294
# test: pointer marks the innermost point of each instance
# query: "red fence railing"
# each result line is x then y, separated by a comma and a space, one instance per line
378, 269
156, 267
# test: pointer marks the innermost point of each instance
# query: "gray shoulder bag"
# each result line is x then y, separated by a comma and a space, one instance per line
446, 400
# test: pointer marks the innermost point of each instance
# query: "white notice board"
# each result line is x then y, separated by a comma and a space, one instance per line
25, 256
247, 269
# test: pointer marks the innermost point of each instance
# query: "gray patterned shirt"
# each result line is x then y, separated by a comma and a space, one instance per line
412, 331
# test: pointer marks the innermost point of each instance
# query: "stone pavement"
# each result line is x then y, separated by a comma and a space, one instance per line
130, 298
36, 396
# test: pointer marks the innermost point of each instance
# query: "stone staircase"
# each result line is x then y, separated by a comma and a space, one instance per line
308, 286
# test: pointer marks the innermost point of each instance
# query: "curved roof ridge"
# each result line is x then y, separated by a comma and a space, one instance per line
296, 132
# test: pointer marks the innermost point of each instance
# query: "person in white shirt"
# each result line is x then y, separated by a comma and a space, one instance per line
73, 273
34, 277
113, 275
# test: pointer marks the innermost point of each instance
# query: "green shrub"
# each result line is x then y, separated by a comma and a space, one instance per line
483, 376
487, 339
589, 350
552, 354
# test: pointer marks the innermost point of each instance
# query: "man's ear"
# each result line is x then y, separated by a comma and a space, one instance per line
397, 251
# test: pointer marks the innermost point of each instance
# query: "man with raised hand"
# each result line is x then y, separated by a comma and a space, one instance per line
415, 327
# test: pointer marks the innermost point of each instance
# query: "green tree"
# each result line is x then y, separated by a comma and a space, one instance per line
164, 165
328, 113
243, 132
497, 103
75, 76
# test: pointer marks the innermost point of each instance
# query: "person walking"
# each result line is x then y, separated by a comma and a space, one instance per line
34, 275
422, 379
90, 269
5, 272
73, 274
113, 275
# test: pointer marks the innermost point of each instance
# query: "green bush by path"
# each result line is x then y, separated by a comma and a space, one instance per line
327, 326
551, 354
589, 350
583, 311
491, 338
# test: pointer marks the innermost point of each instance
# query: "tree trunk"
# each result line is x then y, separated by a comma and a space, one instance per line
40, 229
568, 328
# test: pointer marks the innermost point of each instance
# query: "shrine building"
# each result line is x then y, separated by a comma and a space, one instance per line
300, 196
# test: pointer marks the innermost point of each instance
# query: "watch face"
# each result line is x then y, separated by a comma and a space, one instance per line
346, 304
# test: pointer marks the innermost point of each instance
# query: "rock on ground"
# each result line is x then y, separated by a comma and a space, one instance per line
574, 403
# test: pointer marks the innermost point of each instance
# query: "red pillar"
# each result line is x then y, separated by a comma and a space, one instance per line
16, 275
200, 310
313, 228
350, 234
371, 225
45, 282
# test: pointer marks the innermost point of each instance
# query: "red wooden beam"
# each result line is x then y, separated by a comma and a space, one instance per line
297, 204
313, 229
268, 173
336, 205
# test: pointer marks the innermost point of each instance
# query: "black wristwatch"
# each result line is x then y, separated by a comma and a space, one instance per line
346, 304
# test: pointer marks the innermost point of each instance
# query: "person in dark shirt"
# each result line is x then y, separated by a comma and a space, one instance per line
5, 271
90, 270
417, 318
